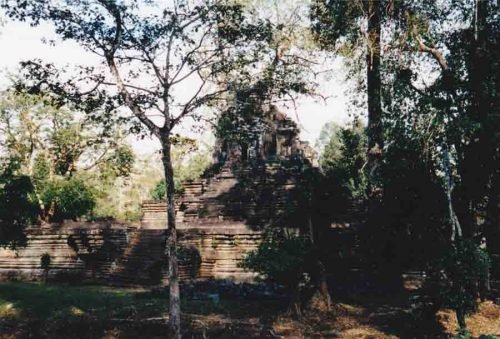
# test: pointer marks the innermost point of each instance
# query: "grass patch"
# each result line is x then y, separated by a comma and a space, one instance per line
47, 301
69, 311
29, 300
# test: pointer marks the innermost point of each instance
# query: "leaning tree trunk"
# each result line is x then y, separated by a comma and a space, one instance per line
174, 311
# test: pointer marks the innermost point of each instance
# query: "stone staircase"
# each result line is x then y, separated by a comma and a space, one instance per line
234, 193
238, 193
144, 261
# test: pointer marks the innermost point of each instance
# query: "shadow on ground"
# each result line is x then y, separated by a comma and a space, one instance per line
213, 309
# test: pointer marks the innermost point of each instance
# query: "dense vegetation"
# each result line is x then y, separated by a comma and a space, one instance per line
56, 164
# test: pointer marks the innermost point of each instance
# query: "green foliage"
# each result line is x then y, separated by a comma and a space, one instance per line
329, 132
463, 334
68, 199
455, 278
51, 146
187, 166
159, 192
41, 169
279, 259
334, 19
66, 146
343, 159
18, 208
121, 161
121, 197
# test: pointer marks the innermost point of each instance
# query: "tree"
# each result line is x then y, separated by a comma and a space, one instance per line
121, 198
290, 69
438, 88
455, 103
465, 94
329, 134
345, 25
54, 147
148, 58
67, 199
18, 206
343, 158
441, 102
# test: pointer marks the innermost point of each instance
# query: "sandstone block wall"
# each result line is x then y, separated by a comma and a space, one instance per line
76, 251
221, 248
129, 254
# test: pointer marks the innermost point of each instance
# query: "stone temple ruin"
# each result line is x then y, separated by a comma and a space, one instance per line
220, 218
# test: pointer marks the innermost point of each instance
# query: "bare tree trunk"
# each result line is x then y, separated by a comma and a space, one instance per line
323, 293
375, 138
373, 165
174, 311
323, 287
456, 229
295, 308
484, 82
461, 319
477, 166
493, 209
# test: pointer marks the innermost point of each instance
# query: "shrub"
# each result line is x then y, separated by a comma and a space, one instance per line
279, 259
455, 278
18, 209
190, 256
45, 260
159, 192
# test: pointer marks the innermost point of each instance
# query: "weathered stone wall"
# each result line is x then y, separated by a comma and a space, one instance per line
76, 250
127, 254
221, 247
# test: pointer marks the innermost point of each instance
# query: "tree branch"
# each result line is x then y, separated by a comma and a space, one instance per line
129, 101
131, 86
436, 53
97, 161
111, 7
196, 102
186, 58
110, 55
150, 60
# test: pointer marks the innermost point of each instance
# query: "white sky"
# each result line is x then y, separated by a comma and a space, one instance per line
19, 41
